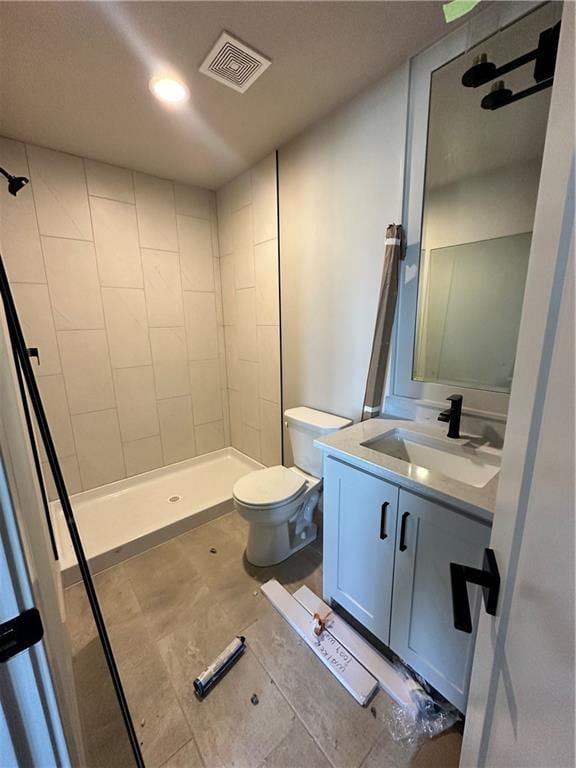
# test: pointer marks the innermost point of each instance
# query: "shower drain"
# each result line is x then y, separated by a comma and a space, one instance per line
174, 499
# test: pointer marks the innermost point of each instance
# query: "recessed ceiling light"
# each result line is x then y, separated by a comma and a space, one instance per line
169, 90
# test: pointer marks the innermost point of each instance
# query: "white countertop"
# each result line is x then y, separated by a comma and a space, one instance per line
347, 445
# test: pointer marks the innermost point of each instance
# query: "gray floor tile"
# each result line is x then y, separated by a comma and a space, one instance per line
345, 731
387, 753
186, 757
219, 535
163, 580
106, 743
159, 721
305, 567
233, 525
229, 730
195, 646
298, 750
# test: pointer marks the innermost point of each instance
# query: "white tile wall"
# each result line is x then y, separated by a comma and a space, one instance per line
269, 363
195, 238
60, 194
265, 207
270, 429
109, 181
127, 327
201, 325
249, 393
73, 283
156, 212
99, 448
228, 289
102, 262
245, 324
204, 381
117, 244
136, 402
169, 361
143, 455
266, 274
247, 222
87, 371
224, 221
243, 247
177, 428
53, 393
193, 201
163, 285
210, 437
240, 191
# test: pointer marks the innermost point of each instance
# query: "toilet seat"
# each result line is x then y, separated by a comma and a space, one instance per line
269, 487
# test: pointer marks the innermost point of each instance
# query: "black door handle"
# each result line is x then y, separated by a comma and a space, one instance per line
20, 633
383, 510
488, 578
403, 546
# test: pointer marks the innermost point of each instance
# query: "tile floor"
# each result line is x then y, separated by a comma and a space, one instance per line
169, 611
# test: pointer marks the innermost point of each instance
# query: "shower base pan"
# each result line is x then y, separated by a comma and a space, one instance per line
123, 519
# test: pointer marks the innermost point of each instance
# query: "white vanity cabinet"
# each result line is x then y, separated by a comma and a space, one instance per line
430, 537
359, 535
387, 555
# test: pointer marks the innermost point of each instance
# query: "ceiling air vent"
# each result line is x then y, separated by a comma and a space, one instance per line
234, 64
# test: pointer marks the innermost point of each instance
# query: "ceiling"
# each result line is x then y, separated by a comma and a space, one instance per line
74, 76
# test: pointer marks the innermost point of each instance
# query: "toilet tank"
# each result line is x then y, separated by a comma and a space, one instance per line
304, 426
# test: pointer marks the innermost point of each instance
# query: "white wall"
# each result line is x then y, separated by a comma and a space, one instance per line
117, 282
340, 186
248, 225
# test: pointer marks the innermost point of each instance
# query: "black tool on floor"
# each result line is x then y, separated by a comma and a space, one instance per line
219, 667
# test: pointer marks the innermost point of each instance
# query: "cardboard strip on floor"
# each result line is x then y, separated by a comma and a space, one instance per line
393, 682
349, 672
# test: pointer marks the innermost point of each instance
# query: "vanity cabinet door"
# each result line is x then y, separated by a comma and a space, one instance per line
359, 536
429, 538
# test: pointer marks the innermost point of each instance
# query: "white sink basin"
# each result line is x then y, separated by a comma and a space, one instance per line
460, 461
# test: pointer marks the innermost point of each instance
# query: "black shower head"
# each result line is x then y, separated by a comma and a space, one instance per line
481, 71
15, 183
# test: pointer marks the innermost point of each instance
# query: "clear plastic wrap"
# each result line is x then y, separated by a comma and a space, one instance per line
428, 717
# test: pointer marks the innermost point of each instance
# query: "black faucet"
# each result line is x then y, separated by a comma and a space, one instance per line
452, 415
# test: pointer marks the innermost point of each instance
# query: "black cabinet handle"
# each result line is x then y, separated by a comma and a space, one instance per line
488, 578
403, 546
383, 510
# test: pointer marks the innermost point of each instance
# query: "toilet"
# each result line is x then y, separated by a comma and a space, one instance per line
279, 502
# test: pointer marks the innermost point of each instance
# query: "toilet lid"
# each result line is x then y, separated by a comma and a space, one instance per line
268, 486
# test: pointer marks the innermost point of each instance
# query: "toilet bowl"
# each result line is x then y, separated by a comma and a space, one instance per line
279, 502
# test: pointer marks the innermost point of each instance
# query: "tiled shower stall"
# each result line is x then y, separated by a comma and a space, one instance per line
155, 312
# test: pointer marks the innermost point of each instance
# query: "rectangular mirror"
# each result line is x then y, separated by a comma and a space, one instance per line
482, 175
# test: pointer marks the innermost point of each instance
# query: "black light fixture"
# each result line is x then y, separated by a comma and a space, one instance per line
483, 71
15, 183
498, 97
